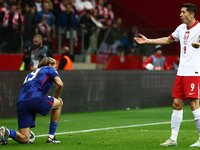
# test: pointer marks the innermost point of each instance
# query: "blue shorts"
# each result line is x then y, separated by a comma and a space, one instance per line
26, 110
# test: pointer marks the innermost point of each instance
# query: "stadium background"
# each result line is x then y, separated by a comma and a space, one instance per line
88, 90
154, 18
104, 90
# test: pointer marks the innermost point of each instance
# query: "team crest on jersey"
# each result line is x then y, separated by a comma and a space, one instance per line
186, 36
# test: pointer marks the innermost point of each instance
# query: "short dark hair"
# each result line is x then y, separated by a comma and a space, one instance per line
190, 7
38, 36
13, 4
88, 11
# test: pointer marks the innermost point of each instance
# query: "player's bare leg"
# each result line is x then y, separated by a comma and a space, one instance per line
56, 111
194, 105
176, 119
22, 136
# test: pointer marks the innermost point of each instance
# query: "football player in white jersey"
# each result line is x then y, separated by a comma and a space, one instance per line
186, 86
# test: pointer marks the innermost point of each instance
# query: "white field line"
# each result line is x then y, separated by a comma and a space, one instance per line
184, 131
110, 128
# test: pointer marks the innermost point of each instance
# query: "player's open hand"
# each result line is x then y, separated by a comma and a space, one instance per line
142, 40
196, 45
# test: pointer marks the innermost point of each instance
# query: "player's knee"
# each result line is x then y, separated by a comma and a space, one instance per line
194, 104
58, 103
61, 103
25, 140
177, 106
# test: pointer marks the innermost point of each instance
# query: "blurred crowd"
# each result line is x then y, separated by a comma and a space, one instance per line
89, 23
20, 20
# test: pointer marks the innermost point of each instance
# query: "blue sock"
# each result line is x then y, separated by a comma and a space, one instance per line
52, 128
12, 134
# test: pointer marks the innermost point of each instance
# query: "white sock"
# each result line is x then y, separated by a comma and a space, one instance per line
196, 114
176, 119
51, 136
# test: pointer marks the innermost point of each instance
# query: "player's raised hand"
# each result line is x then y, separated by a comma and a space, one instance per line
142, 40
196, 45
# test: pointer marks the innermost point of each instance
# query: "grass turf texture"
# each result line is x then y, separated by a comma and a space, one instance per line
130, 138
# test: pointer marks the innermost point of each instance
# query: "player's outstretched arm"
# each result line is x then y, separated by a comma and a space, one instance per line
141, 40
161, 41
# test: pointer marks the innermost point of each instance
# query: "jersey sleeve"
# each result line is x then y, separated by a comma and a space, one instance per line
53, 73
175, 34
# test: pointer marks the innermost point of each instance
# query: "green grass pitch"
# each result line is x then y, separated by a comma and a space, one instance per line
142, 129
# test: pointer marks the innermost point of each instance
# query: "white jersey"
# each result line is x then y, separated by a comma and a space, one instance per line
189, 56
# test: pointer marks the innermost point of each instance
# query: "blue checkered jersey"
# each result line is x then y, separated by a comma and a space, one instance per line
37, 83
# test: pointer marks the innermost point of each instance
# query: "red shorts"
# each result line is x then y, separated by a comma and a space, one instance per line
186, 87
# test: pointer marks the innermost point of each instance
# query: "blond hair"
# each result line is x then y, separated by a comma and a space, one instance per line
46, 61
